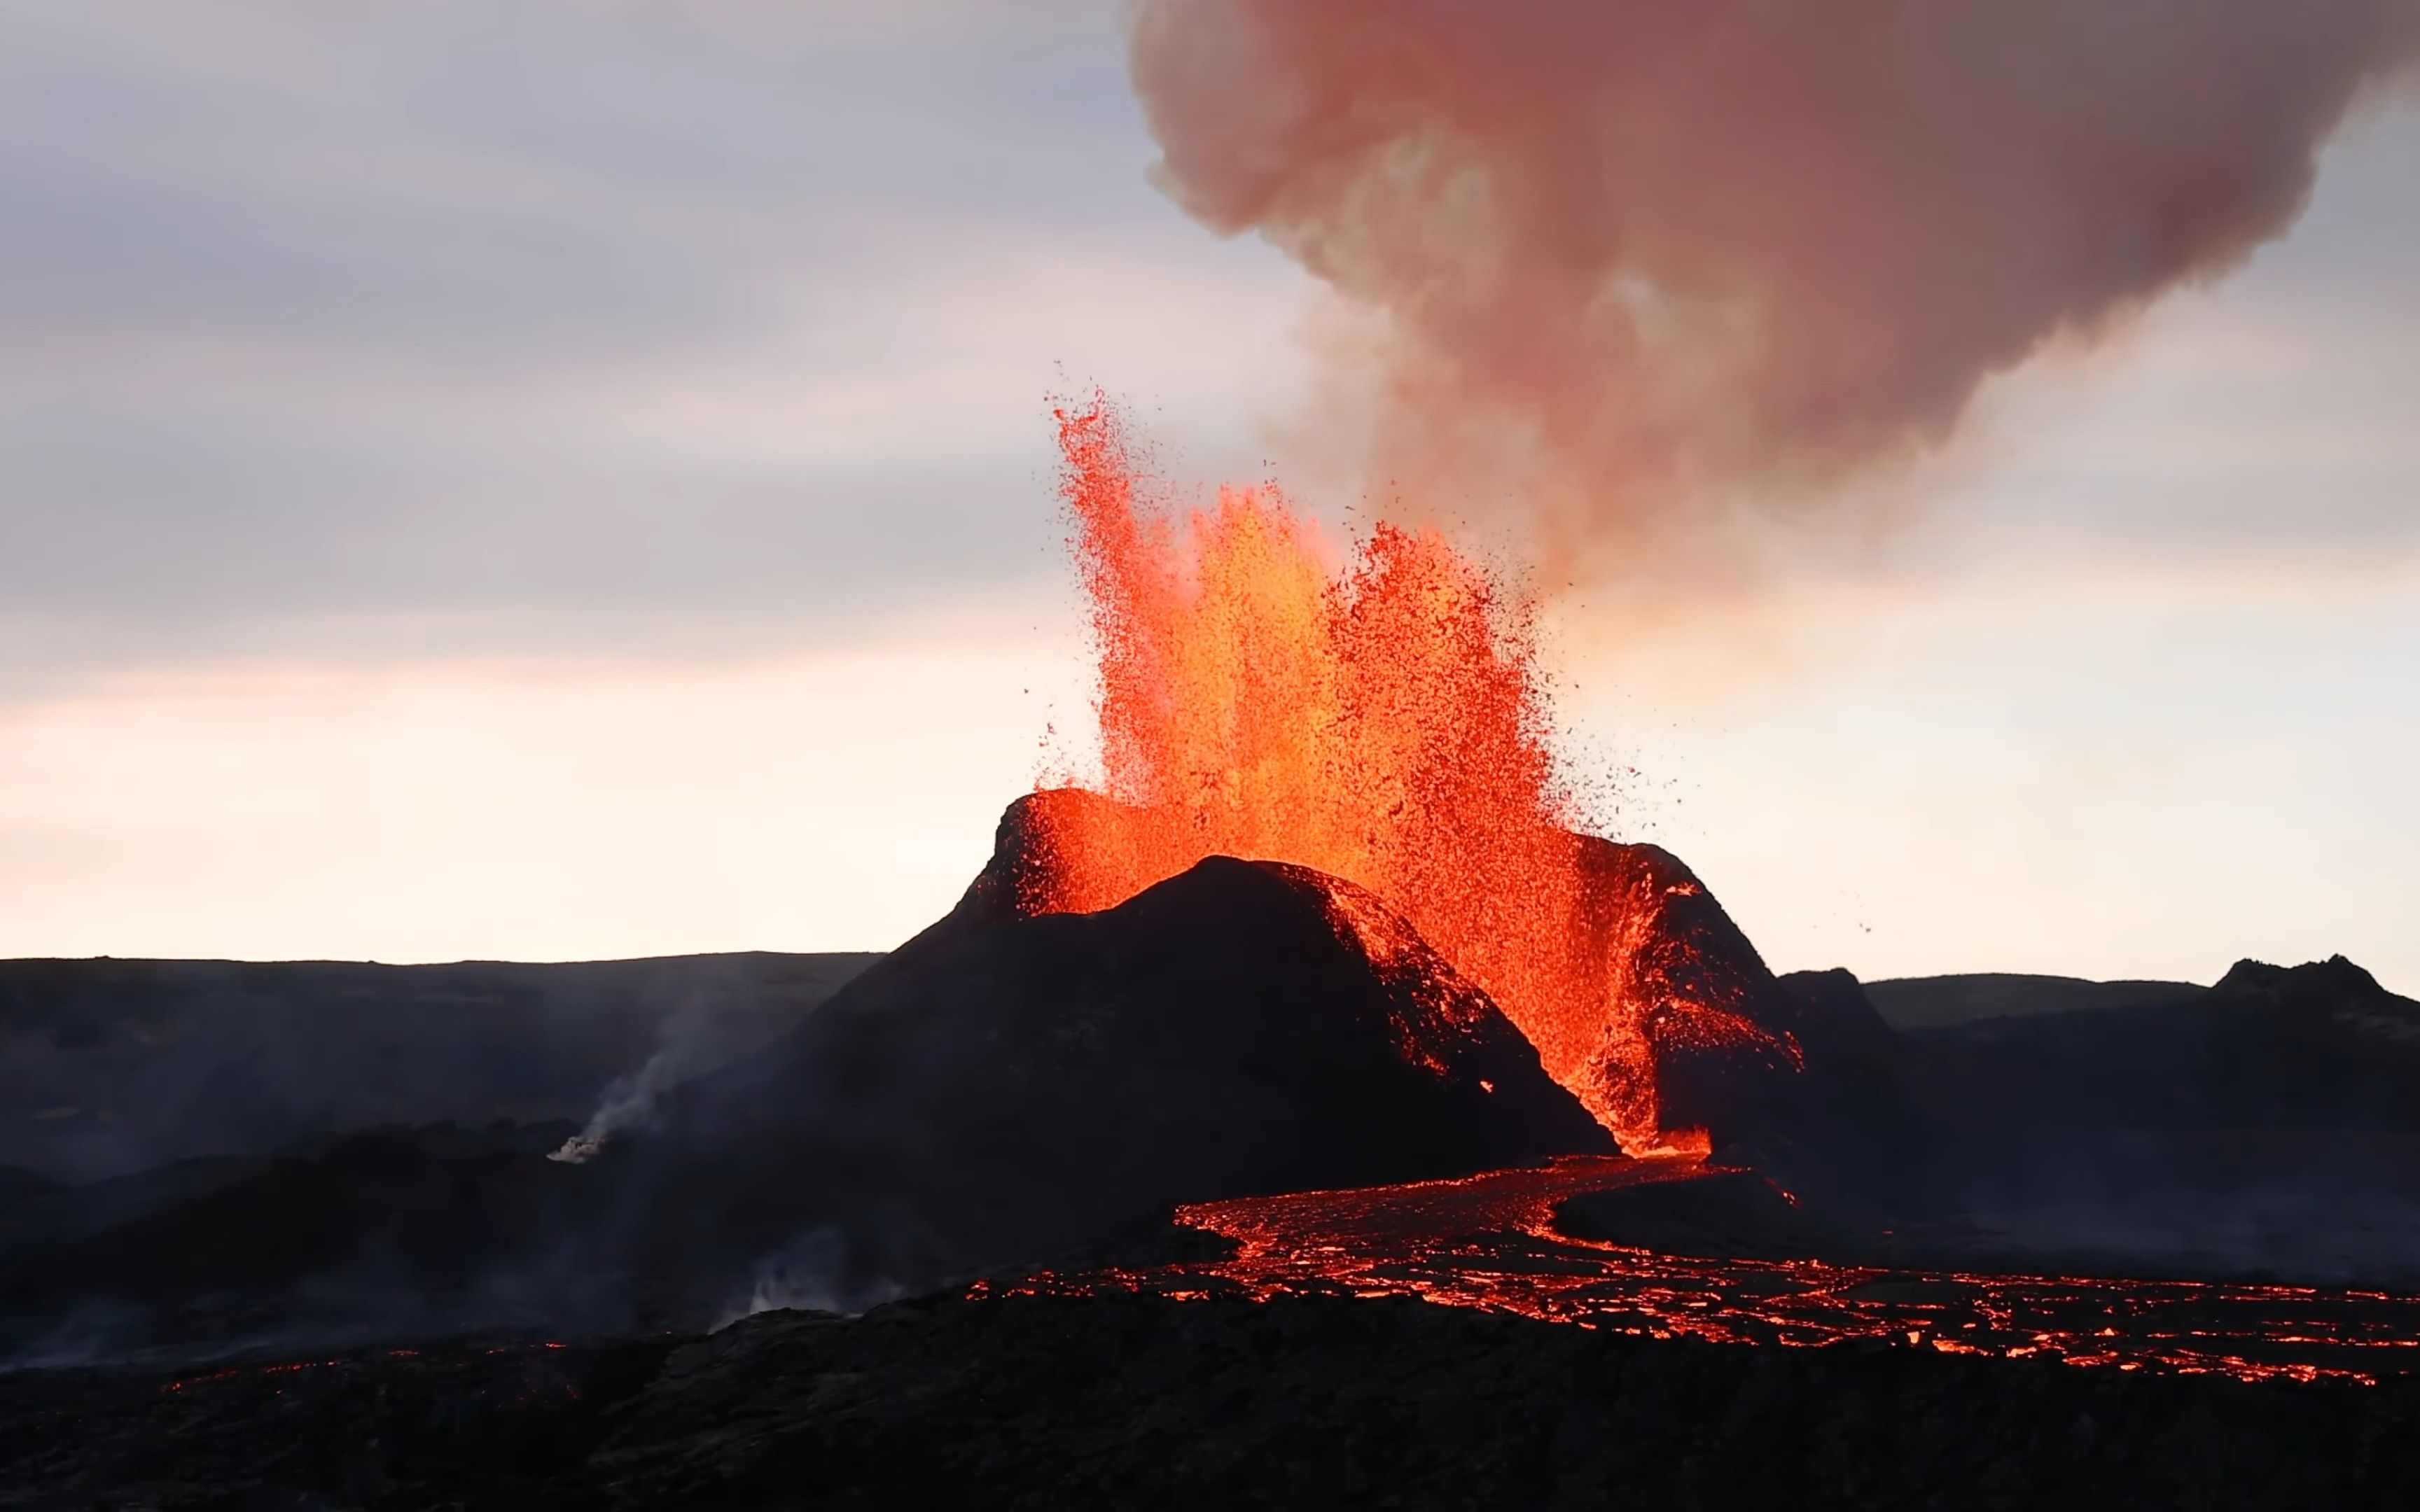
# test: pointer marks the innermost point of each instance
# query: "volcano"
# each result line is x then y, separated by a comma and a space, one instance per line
1800, 1069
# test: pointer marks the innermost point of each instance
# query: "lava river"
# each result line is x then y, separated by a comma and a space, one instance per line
1490, 1242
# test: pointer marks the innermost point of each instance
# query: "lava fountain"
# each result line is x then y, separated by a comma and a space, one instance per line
1384, 723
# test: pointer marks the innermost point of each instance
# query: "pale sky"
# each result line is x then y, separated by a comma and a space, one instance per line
542, 479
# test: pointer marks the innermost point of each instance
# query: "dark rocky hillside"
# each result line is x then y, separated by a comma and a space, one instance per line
109, 1067
1936, 1002
2266, 1125
2317, 1046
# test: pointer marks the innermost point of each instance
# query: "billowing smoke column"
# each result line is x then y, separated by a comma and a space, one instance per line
1639, 259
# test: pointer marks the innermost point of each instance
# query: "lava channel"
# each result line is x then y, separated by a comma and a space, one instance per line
1489, 1242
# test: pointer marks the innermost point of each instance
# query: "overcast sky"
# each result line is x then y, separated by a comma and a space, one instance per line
542, 478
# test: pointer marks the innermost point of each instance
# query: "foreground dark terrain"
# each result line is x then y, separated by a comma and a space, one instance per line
1146, 1402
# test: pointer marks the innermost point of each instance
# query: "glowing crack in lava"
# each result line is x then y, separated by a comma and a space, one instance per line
1491, 1241
1382, 723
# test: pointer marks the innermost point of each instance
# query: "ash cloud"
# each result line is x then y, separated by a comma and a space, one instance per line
1662, 269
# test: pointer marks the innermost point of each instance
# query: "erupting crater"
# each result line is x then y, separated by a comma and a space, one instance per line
1383, 722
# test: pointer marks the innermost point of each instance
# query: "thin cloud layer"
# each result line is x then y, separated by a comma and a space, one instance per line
477, 326
1642, 263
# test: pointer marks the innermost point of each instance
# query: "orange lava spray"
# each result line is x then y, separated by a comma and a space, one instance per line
1384, 723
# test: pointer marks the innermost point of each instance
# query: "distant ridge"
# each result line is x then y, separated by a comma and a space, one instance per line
109, 1065
1936, 1002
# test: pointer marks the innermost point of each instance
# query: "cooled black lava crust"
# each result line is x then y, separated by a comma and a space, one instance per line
1143, 1402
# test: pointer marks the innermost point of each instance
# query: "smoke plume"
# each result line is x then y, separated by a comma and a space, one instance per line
1639, 261
692, 1039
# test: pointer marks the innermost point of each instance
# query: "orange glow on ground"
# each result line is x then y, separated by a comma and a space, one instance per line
1490, 1242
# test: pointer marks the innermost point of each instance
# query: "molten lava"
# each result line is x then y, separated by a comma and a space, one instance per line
1492, 1242
1384, 724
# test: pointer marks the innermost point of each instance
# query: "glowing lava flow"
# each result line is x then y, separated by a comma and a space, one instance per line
1489, 1242
1384, 725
